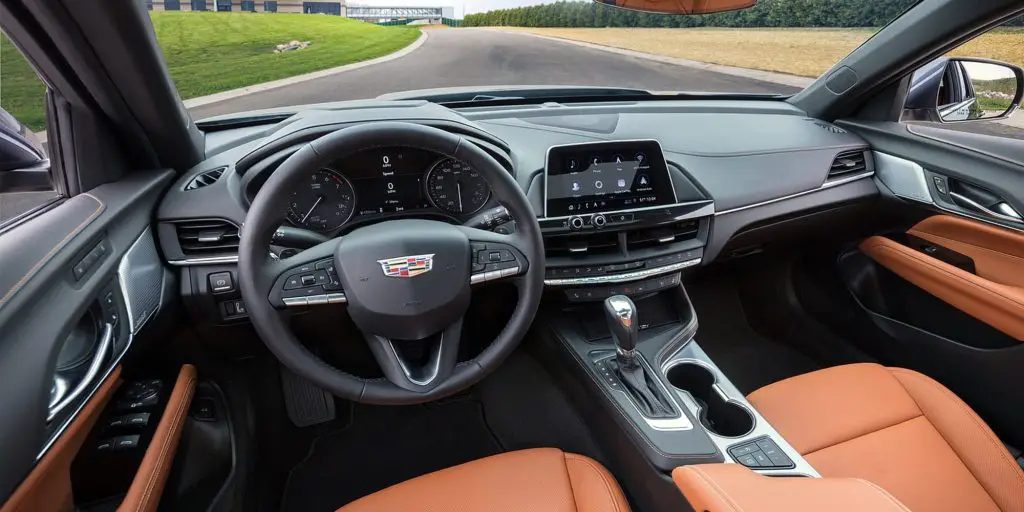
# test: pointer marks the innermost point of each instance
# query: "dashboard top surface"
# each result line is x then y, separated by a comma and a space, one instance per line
740, 153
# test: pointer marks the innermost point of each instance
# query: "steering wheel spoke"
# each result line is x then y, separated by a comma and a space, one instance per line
496, 256
418, 365
305, 279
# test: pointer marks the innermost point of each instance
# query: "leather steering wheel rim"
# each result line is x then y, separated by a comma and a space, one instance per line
267, 212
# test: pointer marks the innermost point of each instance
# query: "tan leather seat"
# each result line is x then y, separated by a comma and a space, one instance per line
538, 480
897, 429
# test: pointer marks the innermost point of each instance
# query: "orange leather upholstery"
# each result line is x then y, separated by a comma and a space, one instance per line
898, 429
995, 295
538, 480
734, 488
48, 486
148, 485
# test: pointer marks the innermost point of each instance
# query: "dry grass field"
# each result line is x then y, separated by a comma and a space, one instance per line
796, 51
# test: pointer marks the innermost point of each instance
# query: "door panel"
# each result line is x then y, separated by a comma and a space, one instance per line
990, 294
64, 277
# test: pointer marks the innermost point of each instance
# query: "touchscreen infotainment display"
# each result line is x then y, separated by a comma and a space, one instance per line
605, 177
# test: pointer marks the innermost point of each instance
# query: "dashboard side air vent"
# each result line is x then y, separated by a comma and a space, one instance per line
204, 179
847, 163
653, 237
208, 237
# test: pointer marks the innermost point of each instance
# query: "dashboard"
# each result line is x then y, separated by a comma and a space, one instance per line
626, 193
384, 182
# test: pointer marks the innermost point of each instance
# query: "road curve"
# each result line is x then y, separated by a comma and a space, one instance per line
468, 57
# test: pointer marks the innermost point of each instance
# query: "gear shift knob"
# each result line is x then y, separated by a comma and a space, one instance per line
622, 321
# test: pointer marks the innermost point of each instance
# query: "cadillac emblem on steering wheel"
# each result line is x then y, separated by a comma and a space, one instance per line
407, 266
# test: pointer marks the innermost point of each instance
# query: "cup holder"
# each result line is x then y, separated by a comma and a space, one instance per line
717, 414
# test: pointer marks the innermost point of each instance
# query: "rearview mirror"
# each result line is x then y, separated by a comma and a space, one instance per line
951, 90
688, 7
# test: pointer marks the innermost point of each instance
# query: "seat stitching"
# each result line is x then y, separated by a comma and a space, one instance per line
715, 487
971, 415
602, 476
892, 499
154, 476
863, 435
572, 490
49, 255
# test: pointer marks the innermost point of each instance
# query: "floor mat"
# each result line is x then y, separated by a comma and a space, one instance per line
747, 358
384, 446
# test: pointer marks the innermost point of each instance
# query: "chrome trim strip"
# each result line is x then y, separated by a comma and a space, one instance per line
707, 202
824, 186
547, 158
622, 278
207, 260
106, 340
138, 275
903, 177
435, 364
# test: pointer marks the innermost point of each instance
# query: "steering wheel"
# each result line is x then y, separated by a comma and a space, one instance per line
407, 279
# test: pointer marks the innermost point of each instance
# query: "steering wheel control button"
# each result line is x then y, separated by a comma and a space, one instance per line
221, 282
294, 301
308, 280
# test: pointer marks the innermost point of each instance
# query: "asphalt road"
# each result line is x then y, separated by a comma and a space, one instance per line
468, 57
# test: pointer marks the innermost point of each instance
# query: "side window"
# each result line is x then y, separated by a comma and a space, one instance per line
25, 183
973, 88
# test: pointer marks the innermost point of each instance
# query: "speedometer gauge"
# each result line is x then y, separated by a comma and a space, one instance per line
457, 188
323, 203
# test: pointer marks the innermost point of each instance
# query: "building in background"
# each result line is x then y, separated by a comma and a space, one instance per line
292, 6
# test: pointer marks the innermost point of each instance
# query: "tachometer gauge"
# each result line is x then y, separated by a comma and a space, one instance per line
323, 203
457, 188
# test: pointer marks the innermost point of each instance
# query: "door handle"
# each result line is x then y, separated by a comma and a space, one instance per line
106, 341
1006, 213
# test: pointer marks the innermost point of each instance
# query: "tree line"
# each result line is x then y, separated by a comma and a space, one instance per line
767, 13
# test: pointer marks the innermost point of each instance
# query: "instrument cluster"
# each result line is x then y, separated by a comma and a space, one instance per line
385, 182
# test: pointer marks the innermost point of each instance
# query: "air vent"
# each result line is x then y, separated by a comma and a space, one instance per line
653, 237
205, 179
847, 163
207, 237
829, 127
581, 245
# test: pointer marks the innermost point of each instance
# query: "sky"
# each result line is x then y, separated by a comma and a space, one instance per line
462, 7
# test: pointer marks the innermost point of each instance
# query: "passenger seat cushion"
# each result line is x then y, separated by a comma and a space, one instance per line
896, 428
537, 480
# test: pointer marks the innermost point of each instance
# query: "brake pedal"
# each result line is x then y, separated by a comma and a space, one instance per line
306, 403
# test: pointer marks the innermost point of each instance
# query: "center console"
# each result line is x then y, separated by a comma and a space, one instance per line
622, 223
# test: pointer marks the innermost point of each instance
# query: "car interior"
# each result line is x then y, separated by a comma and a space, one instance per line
433, 302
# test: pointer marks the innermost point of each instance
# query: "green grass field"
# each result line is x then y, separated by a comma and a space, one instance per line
209, 52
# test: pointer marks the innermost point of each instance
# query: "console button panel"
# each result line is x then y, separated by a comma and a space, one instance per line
761, 453
635, 288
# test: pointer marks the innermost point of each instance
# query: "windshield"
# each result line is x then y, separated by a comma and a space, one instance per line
241, 56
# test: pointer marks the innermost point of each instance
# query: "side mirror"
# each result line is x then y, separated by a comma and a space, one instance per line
687, 7
949, 90
24, 166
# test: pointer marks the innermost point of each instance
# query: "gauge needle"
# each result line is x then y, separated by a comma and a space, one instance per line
306, 216
458, 189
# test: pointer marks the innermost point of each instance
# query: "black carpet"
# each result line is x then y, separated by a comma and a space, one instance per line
384, 446
747, 358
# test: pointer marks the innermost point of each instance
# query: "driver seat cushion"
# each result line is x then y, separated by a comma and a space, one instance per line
535, 480
898, 429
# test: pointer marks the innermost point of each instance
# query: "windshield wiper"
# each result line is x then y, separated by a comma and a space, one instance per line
597, 98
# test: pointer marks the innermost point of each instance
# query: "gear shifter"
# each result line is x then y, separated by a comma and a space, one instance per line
621, 315
641, 386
